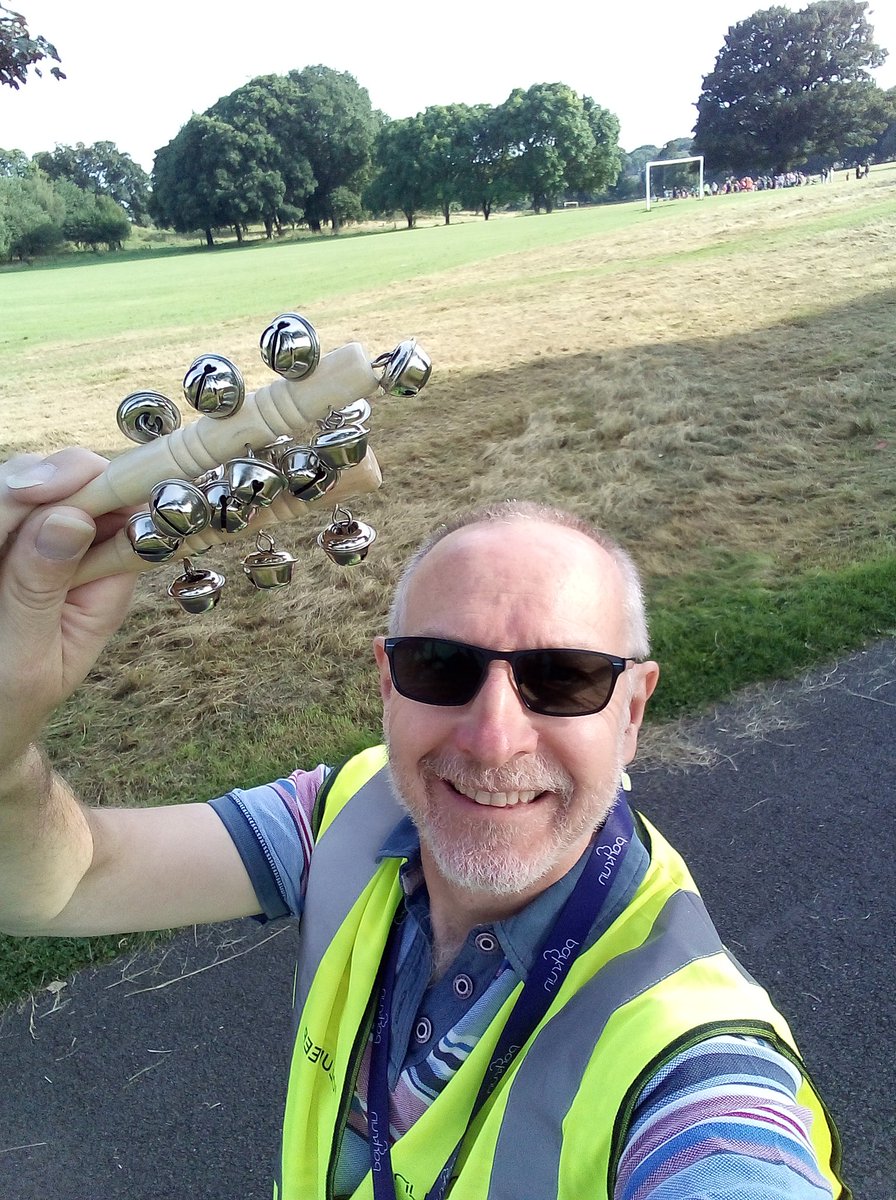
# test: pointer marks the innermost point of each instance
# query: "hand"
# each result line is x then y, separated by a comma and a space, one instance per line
49, 636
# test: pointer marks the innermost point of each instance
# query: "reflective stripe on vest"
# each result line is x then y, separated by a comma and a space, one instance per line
348, 856
659, 978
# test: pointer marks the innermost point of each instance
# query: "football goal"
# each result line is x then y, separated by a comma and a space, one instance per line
672, 162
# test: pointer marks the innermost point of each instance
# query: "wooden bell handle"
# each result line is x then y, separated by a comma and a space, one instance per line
116, 556
280, 408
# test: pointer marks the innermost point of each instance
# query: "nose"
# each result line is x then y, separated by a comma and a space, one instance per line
496, 726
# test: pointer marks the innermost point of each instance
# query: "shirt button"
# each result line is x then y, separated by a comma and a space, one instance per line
463, 986
423, 1030
486, 942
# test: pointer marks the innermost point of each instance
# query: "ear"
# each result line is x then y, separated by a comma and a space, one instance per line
382, 662
644, 681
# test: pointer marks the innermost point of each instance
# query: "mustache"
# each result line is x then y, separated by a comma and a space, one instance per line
534, 774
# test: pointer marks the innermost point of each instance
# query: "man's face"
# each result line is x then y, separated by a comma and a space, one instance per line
506, 800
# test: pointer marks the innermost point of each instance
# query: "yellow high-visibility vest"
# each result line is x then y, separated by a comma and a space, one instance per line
656, 982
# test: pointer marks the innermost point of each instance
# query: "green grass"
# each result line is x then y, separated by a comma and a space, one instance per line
715, 633
231, 283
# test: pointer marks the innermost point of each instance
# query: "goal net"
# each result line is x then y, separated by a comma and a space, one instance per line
671, 162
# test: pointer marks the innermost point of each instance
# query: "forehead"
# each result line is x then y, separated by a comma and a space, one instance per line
517, 584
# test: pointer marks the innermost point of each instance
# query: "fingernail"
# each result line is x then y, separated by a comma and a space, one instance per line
63, 537
31, 475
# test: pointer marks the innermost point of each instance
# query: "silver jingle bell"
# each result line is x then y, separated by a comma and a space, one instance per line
178, 508
406, 370
145, 416
254, 481
148, 543
346, 541
214, 386
196, 591
306, 476
228, 514
340, 448
290, 346
268, 567
355, 413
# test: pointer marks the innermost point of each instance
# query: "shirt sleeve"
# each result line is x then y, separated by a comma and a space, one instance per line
722, 1120
271, 828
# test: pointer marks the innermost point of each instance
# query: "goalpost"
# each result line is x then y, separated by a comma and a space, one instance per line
671, 162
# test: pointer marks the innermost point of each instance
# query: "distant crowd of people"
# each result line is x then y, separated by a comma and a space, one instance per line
761, 183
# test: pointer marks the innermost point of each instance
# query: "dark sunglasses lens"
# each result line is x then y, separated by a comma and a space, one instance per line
433, 671
565, 683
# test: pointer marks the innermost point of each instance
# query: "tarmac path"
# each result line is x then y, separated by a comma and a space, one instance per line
161, 1077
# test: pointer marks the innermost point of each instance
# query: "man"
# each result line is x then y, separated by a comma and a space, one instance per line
507, 984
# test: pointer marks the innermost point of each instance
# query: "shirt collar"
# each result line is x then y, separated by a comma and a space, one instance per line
521, 934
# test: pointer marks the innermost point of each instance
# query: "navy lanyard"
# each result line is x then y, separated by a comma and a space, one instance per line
555, 956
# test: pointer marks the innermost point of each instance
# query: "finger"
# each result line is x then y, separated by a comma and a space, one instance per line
28, 480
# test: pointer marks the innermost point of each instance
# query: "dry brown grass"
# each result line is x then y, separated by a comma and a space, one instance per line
724, 382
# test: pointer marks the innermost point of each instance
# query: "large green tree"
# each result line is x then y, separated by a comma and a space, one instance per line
199, 180
557, 141
265, 110
103, 170
20, 52
91, 218
485, 180
400, 182
787, 85
338, 128
32, 215
447, 153
310, 137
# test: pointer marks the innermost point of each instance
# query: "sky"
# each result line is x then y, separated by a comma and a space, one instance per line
137, 73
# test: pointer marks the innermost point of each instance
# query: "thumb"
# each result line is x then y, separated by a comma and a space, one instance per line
60, 542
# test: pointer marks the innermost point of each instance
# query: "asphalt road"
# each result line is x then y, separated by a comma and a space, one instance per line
161, 1077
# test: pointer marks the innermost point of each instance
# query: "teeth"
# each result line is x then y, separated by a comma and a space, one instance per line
497, 799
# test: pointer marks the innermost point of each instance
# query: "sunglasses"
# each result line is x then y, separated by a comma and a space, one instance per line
553, 682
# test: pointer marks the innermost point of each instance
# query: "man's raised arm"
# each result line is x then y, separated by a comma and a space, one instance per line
65, 869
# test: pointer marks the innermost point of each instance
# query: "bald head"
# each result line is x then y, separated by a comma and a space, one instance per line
552, 547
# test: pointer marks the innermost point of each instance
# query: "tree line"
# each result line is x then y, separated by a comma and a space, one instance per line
308, 147
788, 89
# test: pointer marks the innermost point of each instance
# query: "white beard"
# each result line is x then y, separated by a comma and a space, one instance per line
484, 856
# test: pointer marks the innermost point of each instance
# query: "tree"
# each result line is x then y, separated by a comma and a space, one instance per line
32, 215
15, 162
630, 181
338, 128
485, 181
19, 51
447, 153
400, 179
266, 111
682, 176
789, 84
599, 169
310, 137
883, 147
551, 140
103, 170
199, 180
90, 219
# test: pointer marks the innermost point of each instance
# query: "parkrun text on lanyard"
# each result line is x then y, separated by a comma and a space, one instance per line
555, 956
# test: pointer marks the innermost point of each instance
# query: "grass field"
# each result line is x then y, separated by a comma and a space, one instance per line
715, 382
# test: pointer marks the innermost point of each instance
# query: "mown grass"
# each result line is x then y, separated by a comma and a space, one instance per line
714, 382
